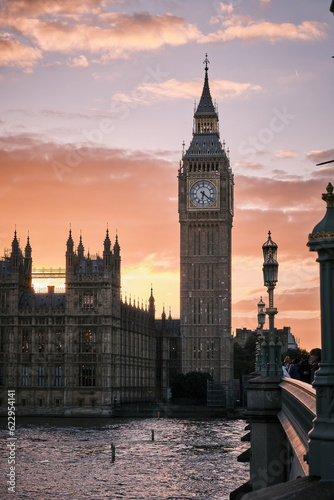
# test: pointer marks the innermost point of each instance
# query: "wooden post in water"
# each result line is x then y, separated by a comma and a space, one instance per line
152, 433
112, 453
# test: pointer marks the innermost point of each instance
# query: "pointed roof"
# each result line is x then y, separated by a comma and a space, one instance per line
15, 243
70, 242
28, 248
80, 246
205, 106
107, 242
116, 246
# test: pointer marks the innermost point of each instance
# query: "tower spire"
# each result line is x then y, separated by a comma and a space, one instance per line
205, 106
206, 62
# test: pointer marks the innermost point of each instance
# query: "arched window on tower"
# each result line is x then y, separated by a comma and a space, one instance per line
87, 341
25, 340
41, 341
88, 300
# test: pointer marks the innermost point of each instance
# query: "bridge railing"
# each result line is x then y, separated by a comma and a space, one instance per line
296, 416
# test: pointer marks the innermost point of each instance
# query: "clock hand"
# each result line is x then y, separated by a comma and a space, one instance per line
208, 197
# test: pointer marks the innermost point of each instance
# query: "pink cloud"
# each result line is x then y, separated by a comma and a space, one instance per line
126, 34
33, 8
246, 28
78, 62
14, 53
148, 92
320, 156
282, 154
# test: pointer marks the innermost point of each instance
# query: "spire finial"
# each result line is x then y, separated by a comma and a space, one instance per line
329, 196
206, 62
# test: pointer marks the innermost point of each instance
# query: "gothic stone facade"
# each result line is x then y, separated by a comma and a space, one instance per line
206, 215
82, 351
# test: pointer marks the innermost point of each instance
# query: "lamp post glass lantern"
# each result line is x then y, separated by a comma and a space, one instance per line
270, 264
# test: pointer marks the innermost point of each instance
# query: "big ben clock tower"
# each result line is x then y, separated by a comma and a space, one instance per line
206, 215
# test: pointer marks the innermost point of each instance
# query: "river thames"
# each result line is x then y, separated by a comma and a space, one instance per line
72, 459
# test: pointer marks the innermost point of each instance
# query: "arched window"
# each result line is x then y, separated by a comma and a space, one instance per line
87, 341
88, 300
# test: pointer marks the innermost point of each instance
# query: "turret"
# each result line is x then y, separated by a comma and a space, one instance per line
81, 249
116, 247
28, 264
107, 254
69, 254
16, 255
117, 256
151, 301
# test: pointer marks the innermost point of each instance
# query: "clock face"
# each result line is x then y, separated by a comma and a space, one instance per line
203, 193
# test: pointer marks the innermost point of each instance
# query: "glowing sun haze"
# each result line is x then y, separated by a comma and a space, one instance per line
97, 98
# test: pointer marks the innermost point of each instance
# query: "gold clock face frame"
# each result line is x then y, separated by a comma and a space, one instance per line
203, 194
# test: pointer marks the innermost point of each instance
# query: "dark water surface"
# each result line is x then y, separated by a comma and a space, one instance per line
71, 459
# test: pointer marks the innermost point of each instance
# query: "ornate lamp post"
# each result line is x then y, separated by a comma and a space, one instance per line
270, 274
268, 441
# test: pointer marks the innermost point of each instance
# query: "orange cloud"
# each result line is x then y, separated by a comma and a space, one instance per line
124, 35
14, 53
290, 209
136, 193
106, 186
33, 8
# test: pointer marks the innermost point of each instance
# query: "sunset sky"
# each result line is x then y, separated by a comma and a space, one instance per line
98, 96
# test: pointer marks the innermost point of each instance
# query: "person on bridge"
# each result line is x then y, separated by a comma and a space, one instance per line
305, 371
294, 369
314, 360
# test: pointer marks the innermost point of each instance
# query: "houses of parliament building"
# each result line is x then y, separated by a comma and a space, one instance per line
87, 349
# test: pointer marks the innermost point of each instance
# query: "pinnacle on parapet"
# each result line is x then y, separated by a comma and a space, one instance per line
28, 249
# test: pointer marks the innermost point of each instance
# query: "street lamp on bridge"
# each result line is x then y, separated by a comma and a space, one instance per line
271, 351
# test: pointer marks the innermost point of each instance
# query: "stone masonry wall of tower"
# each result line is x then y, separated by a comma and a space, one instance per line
206, 215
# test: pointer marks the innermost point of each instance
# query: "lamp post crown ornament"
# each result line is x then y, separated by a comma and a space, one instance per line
325, 228
269, 248
329, 196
